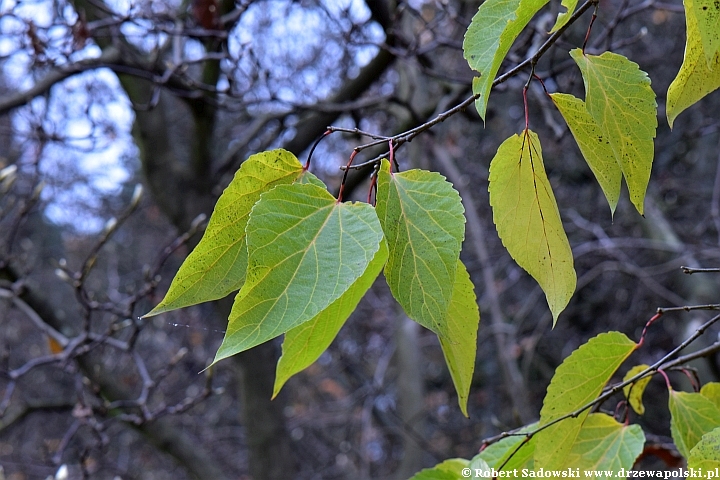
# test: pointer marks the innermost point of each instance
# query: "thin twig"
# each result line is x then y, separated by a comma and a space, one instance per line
36, 319
691, 270
704, 352
690, 308
9, 390
357, 131
63, 356
110, 228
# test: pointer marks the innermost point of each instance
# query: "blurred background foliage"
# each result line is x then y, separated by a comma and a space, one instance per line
98, 96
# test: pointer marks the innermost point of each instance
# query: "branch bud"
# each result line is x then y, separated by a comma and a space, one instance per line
110, 225
37, 191
136, 196
197, 221
7, 172
8, 175
62, 275
62, 473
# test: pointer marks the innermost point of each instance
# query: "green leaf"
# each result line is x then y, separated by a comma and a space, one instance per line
308, 177
593, 144
492, 32
216, 267
697, 76
564, 17
305, 343
634, 391
527, 218
522, 457
707, 16
479, 469
691, 416
711, 391
450, 469
460, 345
305, 251
422, 217
577, 382
604, 444
618, 96
706, 453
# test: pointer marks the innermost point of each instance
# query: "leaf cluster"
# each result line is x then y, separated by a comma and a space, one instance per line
301, 260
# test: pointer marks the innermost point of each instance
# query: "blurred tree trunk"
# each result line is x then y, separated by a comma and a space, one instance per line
411, 394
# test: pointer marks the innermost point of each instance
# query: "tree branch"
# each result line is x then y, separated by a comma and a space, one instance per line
109, 56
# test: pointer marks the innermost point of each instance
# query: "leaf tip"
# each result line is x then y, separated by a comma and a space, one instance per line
276, 390
639, 205
463, 407
559, 302
155, 311
279, 383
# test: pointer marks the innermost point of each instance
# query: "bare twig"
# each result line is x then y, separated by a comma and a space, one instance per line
691, 270
688, 308
33, 315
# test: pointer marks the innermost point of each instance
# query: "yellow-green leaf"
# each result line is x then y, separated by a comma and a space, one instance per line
564, 17
460, 344
305, 251
697, 76
527, 218
634, 391
605, 445
305, 343
308, 177
705, 454
619, 98
479, 469
424, 223
216, 267
577, 381
711, 391
450, 469
691, 416
498, 453
593, 144
492, 32
707, 16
